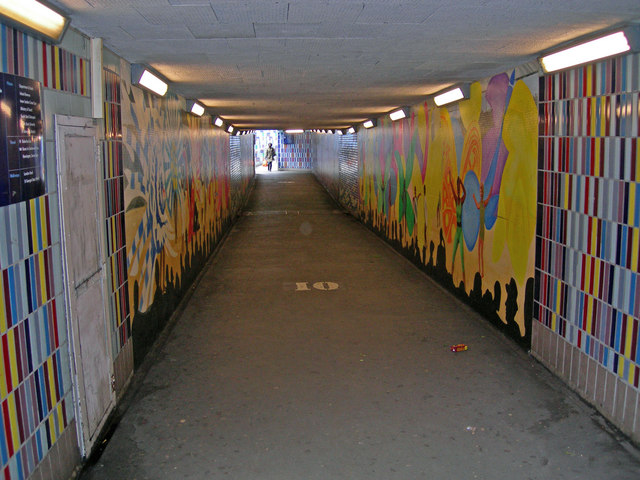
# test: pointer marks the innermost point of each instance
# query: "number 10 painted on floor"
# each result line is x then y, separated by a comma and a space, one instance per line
304, 286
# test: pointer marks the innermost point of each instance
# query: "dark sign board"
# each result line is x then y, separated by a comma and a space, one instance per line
21, 162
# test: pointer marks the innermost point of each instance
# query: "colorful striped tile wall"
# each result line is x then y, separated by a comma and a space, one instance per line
35, 385
56, 68
588, 231
115, 219
297, 155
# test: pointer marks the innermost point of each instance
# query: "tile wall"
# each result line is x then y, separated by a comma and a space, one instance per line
297, 153
116, 252
114, 204
587, 299
36, 407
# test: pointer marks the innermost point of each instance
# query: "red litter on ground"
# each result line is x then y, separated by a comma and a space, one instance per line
461, 347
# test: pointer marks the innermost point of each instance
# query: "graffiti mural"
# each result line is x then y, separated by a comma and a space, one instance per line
455, 189
177, 193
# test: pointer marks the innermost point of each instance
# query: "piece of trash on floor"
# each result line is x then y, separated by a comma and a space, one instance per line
460, 347
472, 430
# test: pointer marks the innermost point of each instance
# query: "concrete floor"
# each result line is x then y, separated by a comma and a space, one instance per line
264, 376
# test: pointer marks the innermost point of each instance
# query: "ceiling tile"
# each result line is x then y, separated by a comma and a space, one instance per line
266, 11
172, 15
158, 32
112, 4
324, 11
190, 3
397, 11
286, 30
223, 30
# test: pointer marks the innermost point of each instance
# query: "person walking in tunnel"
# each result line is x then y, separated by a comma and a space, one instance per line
269, 156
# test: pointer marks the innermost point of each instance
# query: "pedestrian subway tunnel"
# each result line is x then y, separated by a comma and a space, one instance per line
283, 337
320, 352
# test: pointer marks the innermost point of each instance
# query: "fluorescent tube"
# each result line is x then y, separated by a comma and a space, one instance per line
602, 47
36, 17
449, 97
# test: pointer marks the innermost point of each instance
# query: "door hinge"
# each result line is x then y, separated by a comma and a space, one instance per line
113, 383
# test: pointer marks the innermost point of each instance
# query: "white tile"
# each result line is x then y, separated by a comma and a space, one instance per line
535, 338
601, 381
553, 350
610, 394
631, 411
590, 383
620, 402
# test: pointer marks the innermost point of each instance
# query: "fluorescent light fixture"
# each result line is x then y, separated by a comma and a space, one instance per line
607, 46
195, 108
398, 114
230, 129
295, 130
351, 130
218, 122
370, 123
37, 17
339, 132
140, 75
453, 95
153, 83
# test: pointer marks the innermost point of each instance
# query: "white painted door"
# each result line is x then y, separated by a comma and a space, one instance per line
80, 206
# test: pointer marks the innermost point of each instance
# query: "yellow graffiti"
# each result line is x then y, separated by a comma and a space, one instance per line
516, 222
472, 151
470, 115
442, 159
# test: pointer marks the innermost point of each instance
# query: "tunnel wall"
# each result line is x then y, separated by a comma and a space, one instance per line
336, 167
561, 155
182, 190
172, 187
481, 248
326, 165
587, 299
408, 170
241, 170
37, 419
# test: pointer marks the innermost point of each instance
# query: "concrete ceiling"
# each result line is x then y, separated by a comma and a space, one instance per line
332, 63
